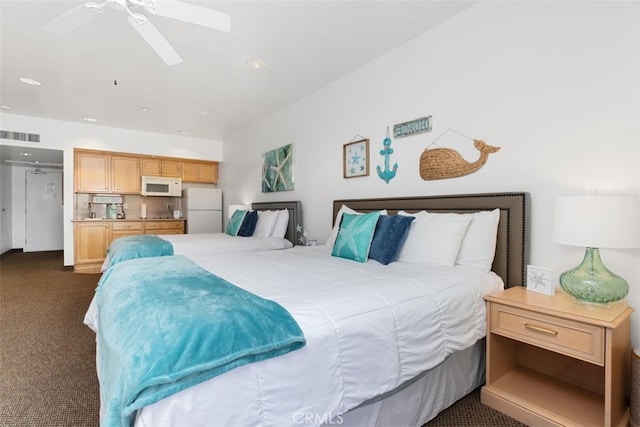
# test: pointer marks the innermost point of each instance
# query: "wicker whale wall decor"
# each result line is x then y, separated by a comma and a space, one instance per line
439, 163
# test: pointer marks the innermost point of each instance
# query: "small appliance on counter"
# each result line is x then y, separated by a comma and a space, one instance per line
111, 211
113, 205
120, 212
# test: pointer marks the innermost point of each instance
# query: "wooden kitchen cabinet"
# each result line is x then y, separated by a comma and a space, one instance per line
120, 173
93, 237
129, 228
125, 174
164, 227
91, 241
91, 172
161, 167
201, 172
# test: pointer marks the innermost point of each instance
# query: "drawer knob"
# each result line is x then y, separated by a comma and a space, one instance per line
540, 329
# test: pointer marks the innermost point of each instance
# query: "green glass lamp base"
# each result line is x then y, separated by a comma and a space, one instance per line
591, 282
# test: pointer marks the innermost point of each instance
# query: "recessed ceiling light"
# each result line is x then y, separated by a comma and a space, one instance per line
145, 109
89, 119
26, 154
30, 81
256, 63
204, 113
183, 132
6, 107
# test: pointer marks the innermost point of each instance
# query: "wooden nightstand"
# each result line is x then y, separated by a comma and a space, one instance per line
552, 361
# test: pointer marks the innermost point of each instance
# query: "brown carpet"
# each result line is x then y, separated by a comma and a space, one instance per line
47, 355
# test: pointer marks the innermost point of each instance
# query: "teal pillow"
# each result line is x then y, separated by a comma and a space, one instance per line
235, 222
355, 235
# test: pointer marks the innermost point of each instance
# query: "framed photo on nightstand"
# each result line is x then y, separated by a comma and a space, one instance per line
539, 280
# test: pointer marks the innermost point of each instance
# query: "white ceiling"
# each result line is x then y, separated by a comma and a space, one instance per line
306, 44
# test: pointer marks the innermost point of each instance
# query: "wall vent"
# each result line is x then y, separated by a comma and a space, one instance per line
19, 136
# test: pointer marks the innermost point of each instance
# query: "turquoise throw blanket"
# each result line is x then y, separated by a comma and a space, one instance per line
165, 324
140, 246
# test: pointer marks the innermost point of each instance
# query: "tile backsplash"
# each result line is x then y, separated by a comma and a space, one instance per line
157, 207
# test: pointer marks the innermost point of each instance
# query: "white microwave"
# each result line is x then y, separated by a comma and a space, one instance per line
161, 186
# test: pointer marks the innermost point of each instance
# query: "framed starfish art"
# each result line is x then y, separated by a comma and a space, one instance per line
356, 159
277, 169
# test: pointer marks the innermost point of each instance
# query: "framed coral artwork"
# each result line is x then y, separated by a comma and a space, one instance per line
356, 159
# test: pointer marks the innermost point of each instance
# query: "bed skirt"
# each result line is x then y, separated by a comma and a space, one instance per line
424, 397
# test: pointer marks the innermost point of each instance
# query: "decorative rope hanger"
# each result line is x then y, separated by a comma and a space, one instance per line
439, 163
445, 132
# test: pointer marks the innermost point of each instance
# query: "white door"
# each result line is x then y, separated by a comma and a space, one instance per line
43, 211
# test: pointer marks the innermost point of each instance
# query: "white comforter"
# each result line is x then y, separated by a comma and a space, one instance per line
369, 328
217, 243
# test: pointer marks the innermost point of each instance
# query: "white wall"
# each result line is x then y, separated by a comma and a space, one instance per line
66, 136
555, 84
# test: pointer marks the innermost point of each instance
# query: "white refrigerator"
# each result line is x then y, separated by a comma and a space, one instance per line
203, 209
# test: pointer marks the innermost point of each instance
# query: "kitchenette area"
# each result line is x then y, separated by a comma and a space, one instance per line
123, 194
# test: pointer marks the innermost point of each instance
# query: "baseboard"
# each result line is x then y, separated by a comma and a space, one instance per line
9, 252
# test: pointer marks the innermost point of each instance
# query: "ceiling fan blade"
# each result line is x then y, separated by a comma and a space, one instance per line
157, 41
72, 19
192, 13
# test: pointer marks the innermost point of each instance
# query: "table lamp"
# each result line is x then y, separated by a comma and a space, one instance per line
596, 222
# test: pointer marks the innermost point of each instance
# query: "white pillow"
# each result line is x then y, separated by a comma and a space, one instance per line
266, 223
336, 227
282, 222
478, 246
434, 238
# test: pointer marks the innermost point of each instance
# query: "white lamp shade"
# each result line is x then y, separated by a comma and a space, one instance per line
597, 221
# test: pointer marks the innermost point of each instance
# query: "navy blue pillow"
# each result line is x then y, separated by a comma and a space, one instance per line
390, 234
248, 225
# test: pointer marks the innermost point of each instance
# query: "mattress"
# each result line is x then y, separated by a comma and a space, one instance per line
369, 329
215, 243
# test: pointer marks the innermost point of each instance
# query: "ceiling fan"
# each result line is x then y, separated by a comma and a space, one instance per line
168, 8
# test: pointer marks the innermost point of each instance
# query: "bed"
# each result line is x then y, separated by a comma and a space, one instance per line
411, 345
208, 243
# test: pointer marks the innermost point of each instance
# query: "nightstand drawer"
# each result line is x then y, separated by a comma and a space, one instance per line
575, 339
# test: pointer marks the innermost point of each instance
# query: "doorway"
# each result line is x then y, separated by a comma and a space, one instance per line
43, 211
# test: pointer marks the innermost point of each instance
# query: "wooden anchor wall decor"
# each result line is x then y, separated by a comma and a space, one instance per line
440, 163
